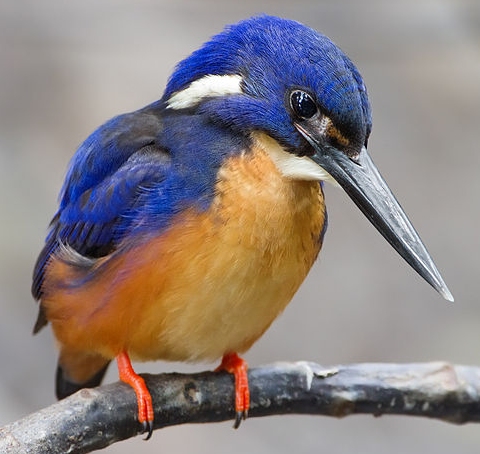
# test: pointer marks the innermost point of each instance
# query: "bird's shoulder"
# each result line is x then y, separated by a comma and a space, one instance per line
130, 178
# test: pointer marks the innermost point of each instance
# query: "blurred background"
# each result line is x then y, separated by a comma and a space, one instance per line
66, 67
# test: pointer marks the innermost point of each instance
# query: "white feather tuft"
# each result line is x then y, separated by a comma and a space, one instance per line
69, 255
206, 87
291, 166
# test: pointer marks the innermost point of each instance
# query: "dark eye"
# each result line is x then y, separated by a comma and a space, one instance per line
302, 104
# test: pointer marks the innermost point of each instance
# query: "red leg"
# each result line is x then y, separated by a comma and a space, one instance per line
144, 399
237, 366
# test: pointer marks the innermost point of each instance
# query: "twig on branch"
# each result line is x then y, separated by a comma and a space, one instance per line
95, 418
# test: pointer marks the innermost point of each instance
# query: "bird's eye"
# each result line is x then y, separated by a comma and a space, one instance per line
303, 104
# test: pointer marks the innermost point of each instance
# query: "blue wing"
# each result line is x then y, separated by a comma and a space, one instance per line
130, 177
107, 175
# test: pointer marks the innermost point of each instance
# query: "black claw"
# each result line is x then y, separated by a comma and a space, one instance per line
147, 427
238, 419
239, 416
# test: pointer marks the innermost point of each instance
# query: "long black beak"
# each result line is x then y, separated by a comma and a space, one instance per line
361, 180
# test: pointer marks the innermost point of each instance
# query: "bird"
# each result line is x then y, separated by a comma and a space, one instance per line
185, 228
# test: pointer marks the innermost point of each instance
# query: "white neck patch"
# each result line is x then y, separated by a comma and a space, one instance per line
206, 87
289, 165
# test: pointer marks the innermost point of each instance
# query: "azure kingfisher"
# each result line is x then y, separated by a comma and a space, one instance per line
185, 228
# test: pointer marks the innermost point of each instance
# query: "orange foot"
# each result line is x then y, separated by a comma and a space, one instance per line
237, 366
144, 399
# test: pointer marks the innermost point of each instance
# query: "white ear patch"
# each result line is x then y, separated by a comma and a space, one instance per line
289, 165
208, 86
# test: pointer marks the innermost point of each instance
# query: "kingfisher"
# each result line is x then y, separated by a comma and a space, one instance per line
185, 228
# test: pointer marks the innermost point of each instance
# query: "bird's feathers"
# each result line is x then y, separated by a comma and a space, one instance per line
211, 282
207, 87
169, 165
104, 182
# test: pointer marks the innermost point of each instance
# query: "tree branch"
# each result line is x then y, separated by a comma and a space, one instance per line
95, 418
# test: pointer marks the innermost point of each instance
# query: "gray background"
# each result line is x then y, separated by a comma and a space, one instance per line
65, 67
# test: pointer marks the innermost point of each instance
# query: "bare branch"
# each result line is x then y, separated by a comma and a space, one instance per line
95, 418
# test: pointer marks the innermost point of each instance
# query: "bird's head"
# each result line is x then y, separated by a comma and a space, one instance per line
282, 83
268, 74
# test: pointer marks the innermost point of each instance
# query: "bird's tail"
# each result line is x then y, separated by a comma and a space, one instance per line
77, 370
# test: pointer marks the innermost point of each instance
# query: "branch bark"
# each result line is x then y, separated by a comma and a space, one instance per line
95, 418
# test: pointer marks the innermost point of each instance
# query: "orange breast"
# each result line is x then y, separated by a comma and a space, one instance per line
211, 284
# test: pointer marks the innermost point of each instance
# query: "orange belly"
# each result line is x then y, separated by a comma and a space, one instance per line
211, 284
